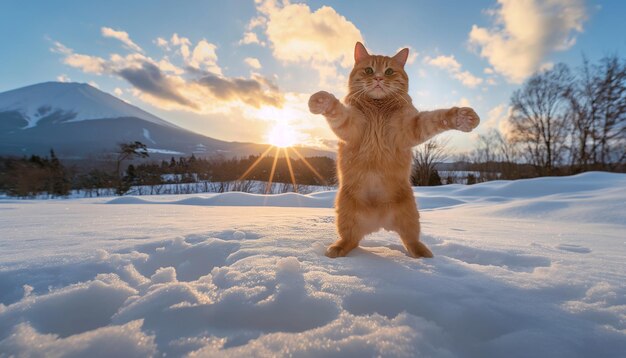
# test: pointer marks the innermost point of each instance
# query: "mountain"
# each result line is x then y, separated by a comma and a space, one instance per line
80, 122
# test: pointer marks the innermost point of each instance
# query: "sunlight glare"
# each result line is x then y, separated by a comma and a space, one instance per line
282, 135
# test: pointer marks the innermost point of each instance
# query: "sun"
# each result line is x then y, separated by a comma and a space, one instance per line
282, 135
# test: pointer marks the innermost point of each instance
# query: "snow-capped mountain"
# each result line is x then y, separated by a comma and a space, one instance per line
73, 101
79, 121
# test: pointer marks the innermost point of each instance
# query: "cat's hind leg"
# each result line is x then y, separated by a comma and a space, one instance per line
406, 223
350, 234
349, 227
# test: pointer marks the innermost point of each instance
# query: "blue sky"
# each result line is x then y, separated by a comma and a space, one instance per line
235, 69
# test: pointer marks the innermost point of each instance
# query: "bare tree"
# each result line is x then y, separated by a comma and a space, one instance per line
539, 116
495, 156
425, 158
598, 107
610, 128
584, 103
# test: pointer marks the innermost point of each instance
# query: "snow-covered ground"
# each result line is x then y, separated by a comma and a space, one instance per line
530, 268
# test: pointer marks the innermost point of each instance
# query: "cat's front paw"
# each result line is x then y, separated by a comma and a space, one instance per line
464, 119
321, 102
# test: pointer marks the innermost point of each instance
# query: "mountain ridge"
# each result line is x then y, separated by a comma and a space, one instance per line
80, 121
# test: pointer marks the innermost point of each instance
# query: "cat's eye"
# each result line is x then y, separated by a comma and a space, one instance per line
389, 72
369, 70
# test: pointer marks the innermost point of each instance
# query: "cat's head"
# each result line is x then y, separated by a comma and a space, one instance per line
378, 77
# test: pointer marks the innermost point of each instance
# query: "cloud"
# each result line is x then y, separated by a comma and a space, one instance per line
452, 66
183, 43
63, 78
445, 62
253, 92
250, 37
323, 38
86, 63
200, 87
122, 36
525, 32
204, 57
148, 78
161, 42
118, 91
252, 62
498, 119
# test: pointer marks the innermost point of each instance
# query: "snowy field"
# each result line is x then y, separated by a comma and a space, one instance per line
530, 268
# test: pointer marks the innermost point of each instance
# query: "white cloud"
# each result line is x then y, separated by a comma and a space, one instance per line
468, 79
204, 57
452, 66
322, 39
250, 37
183, 43
525, 32
201, 57
63, 78
200, 87
161, 42
494, 116
166, 66
60, 48
86, 63
121, 36
252, 62
258, 21
118, 91
498, 119
445, 62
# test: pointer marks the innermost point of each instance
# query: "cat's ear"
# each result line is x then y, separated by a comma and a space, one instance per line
402, 56
360, 52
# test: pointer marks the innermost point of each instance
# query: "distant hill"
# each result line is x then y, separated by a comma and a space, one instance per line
82, 122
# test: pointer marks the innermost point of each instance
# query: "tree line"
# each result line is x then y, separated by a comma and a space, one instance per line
567, 121
31, 176
562, 121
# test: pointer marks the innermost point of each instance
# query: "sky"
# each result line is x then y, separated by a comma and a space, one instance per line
237, 70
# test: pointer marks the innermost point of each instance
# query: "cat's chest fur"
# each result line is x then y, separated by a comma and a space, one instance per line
374, 165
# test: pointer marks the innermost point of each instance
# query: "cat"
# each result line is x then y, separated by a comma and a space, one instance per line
377, 128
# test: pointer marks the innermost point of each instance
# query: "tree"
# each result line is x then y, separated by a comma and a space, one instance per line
434, 179
128, 151
425, 158
539, 117
58, 181
610, 129
495, 156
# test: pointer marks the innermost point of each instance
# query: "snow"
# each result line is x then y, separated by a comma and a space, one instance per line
80, 98
146, 134
522, 268
163, 151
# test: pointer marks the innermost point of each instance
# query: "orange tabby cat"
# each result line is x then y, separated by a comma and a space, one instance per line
377, 127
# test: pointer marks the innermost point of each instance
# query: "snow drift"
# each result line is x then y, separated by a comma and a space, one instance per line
524, 268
